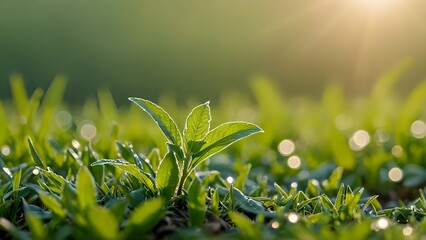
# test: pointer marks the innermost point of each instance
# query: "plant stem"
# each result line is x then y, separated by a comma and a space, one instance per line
184, 174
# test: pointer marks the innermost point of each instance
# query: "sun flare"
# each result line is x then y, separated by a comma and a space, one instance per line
377, 4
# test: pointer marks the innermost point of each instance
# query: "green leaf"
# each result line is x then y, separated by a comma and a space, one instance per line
250, 205
86, 188
197, 124
34, 223
20, 97
69, 198
16, 179
168, 176
38, 161
197, 203
240, 182
334, 178
340, 197
144, 218
154, 158
51, 102
4, 130
248, 229
13, 230
52, 204
354, 201
103, 223
214, 206
145, 178
223, 136
281, 190
370, 201
162, 118
327, 203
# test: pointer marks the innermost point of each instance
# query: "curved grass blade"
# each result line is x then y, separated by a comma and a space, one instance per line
86, 188
162, 118
38, 161
144, 218
131, 169
197, 203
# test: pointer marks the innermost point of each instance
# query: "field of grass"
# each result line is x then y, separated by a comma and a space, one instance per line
329, 168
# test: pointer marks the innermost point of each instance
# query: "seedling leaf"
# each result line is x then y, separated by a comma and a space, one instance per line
223, 136
197, 124
168, 176
161, 117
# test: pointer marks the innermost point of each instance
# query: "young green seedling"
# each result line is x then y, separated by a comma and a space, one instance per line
194, 145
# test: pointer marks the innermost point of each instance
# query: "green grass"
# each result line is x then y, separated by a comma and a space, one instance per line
350, 169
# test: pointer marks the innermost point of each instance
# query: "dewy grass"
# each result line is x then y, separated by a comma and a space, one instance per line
56, 183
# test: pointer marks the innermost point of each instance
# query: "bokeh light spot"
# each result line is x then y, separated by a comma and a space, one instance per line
395, 174
5, 151
294, 162
286, 147
87, 131
359, 140
293, 217
275, 224
64, 120
407, 231
418, 129
397, 151
381, 223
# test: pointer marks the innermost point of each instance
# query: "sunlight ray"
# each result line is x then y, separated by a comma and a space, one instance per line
297, 15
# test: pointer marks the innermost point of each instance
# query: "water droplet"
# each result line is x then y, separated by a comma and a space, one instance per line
230, 179
75, 143
36, 171
293, 185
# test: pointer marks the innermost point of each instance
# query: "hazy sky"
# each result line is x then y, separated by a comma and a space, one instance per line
200, 48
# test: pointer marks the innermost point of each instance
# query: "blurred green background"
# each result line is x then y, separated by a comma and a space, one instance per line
203, 48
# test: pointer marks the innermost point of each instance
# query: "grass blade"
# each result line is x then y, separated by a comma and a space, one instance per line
197, 203
144, 218
86, 188
145, 178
